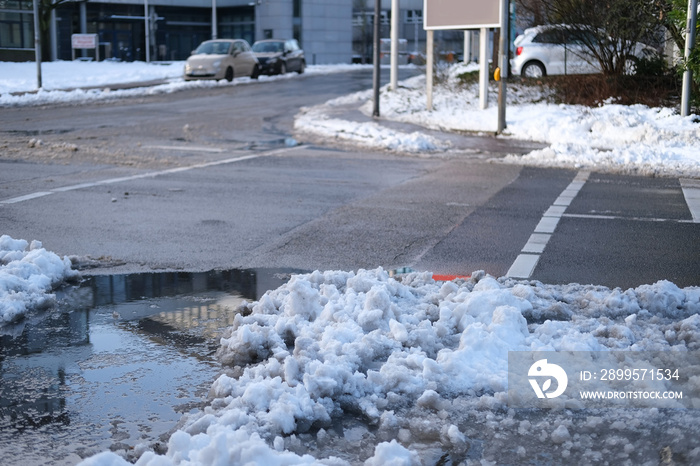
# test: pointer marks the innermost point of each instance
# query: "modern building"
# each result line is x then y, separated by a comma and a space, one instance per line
329, 31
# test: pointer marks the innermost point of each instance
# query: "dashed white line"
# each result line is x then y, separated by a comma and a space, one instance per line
536, 243
547, 225
524, 265
691, 191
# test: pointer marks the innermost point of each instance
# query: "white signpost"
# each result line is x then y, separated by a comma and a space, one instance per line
465, 14
85, 41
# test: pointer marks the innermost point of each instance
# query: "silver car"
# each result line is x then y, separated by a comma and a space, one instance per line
222, 59
555, 49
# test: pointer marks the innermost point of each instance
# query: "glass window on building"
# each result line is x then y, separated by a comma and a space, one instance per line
414, 16
16, 24
238, 24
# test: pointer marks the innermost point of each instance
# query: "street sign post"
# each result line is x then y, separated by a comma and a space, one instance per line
85, 41
470, 14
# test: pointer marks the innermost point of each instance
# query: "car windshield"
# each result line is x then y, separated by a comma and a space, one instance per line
213, 48
268, 47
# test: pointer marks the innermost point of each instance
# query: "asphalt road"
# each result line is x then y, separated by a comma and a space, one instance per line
202, 179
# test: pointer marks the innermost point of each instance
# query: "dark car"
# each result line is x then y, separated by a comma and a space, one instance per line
278, 56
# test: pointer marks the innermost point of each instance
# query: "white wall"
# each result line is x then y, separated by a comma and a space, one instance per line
275, 15
327, 31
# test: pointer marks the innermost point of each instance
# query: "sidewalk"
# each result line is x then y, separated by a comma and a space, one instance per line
346, 120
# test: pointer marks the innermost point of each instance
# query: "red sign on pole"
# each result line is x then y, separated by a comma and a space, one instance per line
461, 14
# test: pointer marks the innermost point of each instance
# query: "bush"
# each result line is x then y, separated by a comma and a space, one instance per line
595, 89
652, 66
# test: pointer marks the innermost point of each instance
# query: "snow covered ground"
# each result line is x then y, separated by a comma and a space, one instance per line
613, 137
342, 367
28, 273
76, 81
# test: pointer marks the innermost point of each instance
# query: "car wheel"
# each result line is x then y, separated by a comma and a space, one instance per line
229, 74
256, 72
283, 68
533, 69
302, 65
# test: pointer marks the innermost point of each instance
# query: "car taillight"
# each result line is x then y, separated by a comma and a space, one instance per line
519, 50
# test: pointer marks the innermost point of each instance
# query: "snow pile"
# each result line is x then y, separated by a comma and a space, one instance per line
318, 120
630, 138
419, 360
27, 277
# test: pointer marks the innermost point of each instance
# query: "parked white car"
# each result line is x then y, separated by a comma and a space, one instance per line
222, 59
555, 49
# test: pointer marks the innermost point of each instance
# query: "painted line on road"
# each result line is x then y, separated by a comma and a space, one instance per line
216, 150
27, 197
633, 219
146, 175
691, 191
524, 265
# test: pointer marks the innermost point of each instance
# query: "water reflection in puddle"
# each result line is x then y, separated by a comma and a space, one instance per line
117, 363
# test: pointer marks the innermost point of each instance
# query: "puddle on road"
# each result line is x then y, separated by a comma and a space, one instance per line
117, 364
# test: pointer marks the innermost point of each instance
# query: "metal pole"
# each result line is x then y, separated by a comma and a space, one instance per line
83, 26
689, 44
467, 56
503, 65
147, 25
53, 36
214, 28
37, 44
484, 69
429, 60
377, 68
394, 44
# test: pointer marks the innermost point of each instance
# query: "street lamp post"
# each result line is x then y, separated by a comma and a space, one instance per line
376, 58
689, 44
37, 44
214, 30
147, 20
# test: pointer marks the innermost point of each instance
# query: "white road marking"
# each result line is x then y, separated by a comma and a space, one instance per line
691, 191
547, 225
523, 266
536, 243
27, 197
188, 148
633, 219
146, 175
525, 263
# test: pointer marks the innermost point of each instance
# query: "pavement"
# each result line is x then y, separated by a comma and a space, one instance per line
485, 144
464, 142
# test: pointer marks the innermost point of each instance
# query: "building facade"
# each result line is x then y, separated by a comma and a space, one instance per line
329, 31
